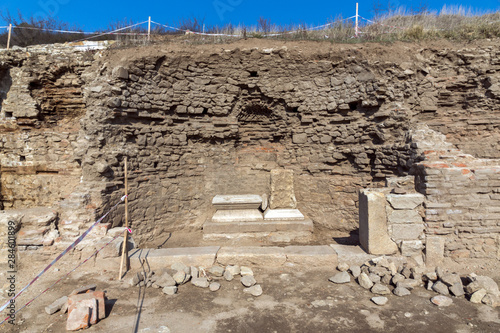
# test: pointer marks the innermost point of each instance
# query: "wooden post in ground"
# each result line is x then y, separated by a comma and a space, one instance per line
125, 236
8, 38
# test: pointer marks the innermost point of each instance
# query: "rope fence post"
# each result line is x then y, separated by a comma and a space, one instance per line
149, 29
356, 31
125, 236
8, 38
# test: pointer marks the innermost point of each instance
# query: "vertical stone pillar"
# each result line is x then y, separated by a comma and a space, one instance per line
282, 191
373, 234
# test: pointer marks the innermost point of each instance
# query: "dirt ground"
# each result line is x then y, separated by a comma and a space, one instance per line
293, 300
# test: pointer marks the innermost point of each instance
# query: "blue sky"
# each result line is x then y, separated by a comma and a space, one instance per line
93, 14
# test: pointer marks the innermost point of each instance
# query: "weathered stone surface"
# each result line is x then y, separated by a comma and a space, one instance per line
79, 318
201, 282
214, 286
380, 289
355, 270
170, 290
232, 202
491, 300
434, 251
407, 231
283, 215
405, 216
282, 189
451, 279
312, 256
401, 291
159, 258
216, 271
244, 270
239, 215
343, 266
441, 300
373, 234
441, 288
97, 296
457, 289
410, 248
409, 283
483, 282
405, 201
179, 277
341, 277
166, 280
253, 256
255, 290
478, 296
233, 269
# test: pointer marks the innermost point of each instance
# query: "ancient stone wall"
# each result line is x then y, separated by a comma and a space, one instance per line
203, 121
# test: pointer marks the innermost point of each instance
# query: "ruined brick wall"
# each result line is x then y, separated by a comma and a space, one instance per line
201, 121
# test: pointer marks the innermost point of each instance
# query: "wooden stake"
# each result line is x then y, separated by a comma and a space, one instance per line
8, 38
125, 236
149, 29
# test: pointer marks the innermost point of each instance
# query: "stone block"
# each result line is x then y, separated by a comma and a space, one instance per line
247, 201
407, 231
252, 256
314, 256
283, 215
373, 234
120, 73
282, 189
73, 300
79, 318
405, 216
160, 258
409, 248
299, 138
56, 305
239, 215
434, 251
405, 201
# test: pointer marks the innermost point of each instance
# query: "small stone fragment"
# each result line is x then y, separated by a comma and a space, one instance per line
342, 277
179, 277
179, 266
170, 290
56, 305
451, 279
355, 271
441, 288
165, 281
441, 300
255, 290
364, 281
343, 267
216, 271
248, 280
457, 289
374, 277
408, 284
235, 270
386, 279
406, 272
400, 291
491, 300
380, 289
397, 278
214, 286
201, 282
194, 272
432, 276
228, 276
380, 300
245, 271
478, 296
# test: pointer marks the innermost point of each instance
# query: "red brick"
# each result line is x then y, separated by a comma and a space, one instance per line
98, 295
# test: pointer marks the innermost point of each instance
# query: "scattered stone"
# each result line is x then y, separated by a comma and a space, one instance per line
478, 296
179, 266
380, 289
136, 278
429, 285
343, 267
228, 276
483, 282
451, 279
214, 286
179, 277
194, 272
78, 318
392, 268
406, 272
491, 300
97, 296
255, 290
380, 300
397, 278
440, 272
248, 280
245, 271
355, 271
431, 276
166, 280
342, 277
441, 288
235, 270
364, 281
56, 305
441, 300
401, 291
201, 282
374, 278
386, 279
457, 289
170, 290
380, 271
408, 284
216, 271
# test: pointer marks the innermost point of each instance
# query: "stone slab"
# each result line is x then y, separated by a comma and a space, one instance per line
407, 231
161, 258
252, 256
283, 215
405, 201
373, 233
351, 254
282, 190
434, 251
405, 216
262, 226
278, 237
315, 256
239, 215
245, 201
